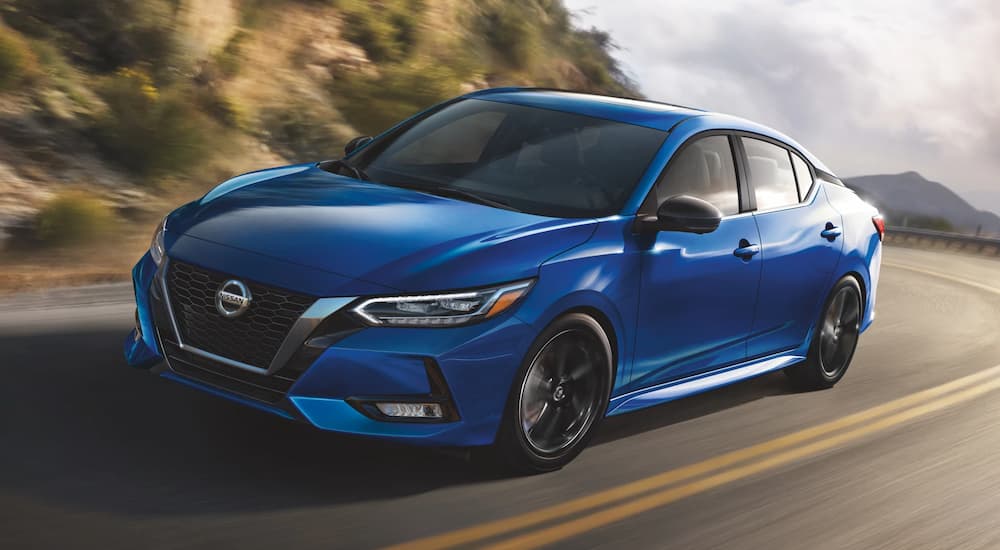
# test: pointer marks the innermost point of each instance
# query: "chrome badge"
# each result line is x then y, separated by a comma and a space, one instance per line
233, 298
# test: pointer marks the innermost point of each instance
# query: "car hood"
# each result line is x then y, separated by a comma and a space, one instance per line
389, 236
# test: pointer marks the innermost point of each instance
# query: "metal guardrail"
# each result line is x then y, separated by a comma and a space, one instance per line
907, 236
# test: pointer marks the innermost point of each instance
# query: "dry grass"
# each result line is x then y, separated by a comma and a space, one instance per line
108, 260
106, 264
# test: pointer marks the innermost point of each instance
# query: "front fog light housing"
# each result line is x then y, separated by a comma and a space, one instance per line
411, 410
441, 310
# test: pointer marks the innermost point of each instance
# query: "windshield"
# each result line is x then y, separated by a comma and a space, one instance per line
541, 161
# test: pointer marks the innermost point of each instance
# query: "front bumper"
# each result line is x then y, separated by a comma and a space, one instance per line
327, 384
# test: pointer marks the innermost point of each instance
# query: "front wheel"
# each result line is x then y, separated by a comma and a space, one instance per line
558, 398
834, 341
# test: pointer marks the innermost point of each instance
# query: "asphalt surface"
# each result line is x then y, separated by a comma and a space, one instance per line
96, 454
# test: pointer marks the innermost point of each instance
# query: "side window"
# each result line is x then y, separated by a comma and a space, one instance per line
704, 169
771, 174
802, 175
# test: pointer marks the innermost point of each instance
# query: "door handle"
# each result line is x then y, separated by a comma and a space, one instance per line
831, 232
746, 250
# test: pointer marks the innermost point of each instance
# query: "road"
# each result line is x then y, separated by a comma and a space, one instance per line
903, 453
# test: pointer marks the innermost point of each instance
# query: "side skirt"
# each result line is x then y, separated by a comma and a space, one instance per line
685, 387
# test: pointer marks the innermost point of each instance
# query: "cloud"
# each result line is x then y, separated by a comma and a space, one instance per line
870, 87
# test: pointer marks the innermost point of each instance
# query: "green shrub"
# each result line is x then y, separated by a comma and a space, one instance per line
147, 131
387, 30
73, 217
920, 221
297, 133
591, 51
15, 58
373, 104
258, 13
104, 34
223, 108
229, 59
510, 33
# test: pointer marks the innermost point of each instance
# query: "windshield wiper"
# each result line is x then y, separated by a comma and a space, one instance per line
456, 193
335, 166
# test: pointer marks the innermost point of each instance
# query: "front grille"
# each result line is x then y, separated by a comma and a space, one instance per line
252, 338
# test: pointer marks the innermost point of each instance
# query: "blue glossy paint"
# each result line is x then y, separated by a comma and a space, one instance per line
425, 242
144, 351
697, 302
683, 313
862, 251
798, 271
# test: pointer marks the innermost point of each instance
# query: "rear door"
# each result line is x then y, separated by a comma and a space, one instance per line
696, 296
801, 243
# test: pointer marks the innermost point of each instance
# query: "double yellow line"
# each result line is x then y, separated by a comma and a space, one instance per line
627, 500
575, 517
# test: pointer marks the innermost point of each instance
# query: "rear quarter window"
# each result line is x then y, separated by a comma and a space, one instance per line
803, 176
771, 173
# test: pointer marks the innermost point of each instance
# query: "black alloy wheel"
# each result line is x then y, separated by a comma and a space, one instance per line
559, 397
835, 339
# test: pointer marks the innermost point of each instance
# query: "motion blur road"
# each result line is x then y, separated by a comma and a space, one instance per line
903, 453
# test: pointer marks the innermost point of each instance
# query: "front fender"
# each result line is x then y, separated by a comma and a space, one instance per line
598, 276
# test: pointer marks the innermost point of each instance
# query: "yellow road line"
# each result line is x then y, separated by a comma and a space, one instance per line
617, 513
938, 274
659, 481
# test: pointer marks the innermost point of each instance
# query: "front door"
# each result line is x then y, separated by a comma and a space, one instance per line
697, 295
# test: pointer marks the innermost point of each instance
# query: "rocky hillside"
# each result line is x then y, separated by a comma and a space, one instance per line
132, 105
910, 200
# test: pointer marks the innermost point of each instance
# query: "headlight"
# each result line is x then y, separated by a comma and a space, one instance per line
156, 247
441, 310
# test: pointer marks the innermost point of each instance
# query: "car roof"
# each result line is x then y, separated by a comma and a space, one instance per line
640, 112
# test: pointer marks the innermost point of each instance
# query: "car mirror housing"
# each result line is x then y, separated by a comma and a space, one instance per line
356, 144
686, 214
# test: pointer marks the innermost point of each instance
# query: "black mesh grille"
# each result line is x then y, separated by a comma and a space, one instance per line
252, 338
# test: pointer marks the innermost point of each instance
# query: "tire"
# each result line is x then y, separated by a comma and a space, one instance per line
558, 398
834, 341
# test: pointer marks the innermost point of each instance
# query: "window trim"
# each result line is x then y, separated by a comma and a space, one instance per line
809, 168
647, 207
747, 193
746, 186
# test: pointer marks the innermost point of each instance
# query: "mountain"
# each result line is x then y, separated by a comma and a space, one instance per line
989, 199
910, 200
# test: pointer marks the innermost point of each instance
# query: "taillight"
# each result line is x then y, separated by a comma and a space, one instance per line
879, 226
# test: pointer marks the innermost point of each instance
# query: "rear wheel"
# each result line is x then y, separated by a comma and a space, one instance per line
558, 398
834, 341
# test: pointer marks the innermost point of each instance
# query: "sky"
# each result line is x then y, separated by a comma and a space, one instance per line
870, 87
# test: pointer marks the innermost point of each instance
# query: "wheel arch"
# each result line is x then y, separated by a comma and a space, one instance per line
609, 331
864, 288
603, 309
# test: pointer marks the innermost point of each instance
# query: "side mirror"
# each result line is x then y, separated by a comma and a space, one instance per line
686, 214
356, 144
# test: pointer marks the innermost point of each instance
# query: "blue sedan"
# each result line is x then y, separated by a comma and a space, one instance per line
505, 269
